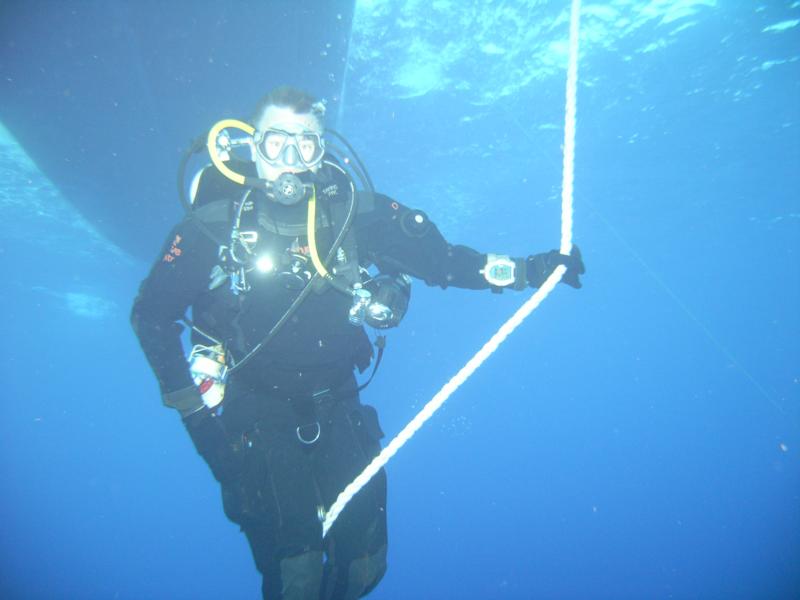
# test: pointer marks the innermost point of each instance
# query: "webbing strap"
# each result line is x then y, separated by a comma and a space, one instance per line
505, 330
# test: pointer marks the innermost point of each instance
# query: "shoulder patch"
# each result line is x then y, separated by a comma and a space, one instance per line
174, 250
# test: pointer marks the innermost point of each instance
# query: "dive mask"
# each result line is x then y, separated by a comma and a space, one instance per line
281, 149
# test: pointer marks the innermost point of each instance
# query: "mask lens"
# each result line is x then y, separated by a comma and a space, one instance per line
273, 143
309, 147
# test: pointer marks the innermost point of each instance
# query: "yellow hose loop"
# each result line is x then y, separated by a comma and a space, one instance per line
312, 235
212, 146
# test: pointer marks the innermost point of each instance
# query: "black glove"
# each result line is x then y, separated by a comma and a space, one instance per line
213, 444
540, 266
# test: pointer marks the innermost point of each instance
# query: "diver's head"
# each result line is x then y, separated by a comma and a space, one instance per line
288, 138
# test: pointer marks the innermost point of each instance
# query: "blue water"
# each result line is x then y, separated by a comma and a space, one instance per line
638, 438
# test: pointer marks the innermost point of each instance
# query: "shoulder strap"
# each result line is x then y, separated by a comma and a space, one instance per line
217, 211
348, 268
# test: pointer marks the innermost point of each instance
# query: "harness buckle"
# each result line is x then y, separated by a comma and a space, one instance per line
308, 440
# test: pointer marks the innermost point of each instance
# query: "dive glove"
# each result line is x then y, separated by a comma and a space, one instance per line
207, 432
212, 442
540, 266
186, 400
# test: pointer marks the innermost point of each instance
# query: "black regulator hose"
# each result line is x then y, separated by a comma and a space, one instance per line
195, 147
362, 170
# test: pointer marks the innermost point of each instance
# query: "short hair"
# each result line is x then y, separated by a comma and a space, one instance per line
288, 97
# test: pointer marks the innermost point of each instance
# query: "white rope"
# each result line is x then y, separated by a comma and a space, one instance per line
505, 330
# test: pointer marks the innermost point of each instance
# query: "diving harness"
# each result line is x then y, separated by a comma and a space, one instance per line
380, 301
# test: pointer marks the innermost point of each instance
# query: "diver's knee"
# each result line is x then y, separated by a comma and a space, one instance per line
364, 574
301, 576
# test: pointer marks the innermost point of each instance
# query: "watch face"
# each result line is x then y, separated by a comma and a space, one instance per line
501, 273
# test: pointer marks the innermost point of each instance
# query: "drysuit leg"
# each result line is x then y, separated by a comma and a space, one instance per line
357, 543
276, 505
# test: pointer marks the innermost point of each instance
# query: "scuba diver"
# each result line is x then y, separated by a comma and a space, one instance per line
282, 261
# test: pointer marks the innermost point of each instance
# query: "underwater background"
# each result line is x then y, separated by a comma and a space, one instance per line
637, 438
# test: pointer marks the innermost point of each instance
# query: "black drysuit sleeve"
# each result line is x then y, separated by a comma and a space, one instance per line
179, 275
400, 239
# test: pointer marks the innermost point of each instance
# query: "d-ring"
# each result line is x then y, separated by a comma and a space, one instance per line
316, 436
